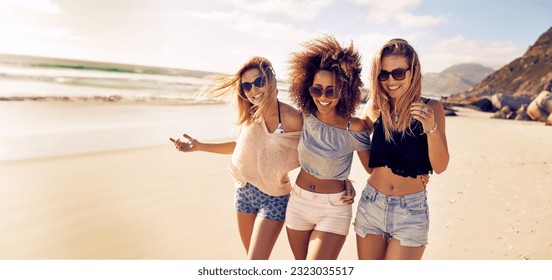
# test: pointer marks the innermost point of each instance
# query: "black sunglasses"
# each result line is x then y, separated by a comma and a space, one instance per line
259, 82
318, 91
398, 74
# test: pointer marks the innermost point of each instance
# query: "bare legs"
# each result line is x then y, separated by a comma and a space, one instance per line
258, 235
315, 245
378, 247
371, 247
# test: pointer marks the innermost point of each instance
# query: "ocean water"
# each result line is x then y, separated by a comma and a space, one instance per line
76, 119
18, 81
24, 77
35, 129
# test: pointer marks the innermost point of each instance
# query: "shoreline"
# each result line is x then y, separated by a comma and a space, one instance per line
115, 99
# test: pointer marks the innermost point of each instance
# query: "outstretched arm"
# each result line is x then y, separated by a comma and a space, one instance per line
192, 145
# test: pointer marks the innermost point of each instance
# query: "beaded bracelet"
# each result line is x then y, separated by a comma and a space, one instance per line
432, 129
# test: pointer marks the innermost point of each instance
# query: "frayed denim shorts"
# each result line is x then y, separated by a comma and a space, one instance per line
404, 217
251, 200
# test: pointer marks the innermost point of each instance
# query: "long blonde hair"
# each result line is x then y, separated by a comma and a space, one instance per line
230, 84
381, 101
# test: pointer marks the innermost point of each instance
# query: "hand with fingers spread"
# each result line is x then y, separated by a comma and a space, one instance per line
189, 146
423, 113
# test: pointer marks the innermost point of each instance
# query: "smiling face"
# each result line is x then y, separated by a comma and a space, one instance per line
324, 80
255, 94
392, 87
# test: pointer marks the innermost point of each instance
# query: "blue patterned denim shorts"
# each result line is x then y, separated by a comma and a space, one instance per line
250, 199
403, 217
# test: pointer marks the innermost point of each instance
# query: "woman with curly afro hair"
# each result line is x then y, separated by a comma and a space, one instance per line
325, 85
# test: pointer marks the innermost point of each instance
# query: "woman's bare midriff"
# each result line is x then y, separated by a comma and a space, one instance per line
306, 180
389, 183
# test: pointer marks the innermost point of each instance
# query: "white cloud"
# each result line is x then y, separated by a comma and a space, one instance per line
450, 51
254, 26
238, 35
215, 16
26, 39
80, 38
383, 12
41, 6
23, 33
298, 10
413, 21
54, 33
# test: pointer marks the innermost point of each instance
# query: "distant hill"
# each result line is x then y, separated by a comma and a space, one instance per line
525, 76
455, 79
50, 62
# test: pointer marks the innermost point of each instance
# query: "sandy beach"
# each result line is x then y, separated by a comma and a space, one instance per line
492, 203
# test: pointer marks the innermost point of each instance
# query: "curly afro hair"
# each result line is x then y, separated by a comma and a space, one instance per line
325, 53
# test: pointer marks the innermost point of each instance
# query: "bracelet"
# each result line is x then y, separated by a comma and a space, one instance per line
345, 183
433, 129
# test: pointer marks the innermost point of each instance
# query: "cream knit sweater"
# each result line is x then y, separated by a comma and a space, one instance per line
264, 159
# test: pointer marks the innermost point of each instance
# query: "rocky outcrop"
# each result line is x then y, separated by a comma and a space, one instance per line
506, 112
521, 114
527, 75
500, 100
540, 108
515, 85
482, 104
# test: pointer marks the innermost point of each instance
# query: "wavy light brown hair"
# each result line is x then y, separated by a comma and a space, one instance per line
381, 102
230, 84
325, 53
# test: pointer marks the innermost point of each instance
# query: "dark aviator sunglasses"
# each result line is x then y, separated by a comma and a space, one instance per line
259, 82
318, 91
398, 74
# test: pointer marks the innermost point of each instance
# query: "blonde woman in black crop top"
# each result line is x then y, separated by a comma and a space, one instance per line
408, 143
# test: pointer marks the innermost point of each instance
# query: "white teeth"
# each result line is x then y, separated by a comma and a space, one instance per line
257, 96
324, 103
393, 87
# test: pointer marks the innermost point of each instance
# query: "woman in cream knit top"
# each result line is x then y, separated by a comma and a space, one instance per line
262, 155
264, 159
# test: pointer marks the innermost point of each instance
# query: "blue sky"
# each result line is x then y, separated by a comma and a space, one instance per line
220, 35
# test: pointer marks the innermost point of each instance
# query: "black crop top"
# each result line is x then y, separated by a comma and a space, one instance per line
406, 156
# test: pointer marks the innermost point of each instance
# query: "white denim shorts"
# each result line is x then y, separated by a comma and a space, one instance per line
322, 212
